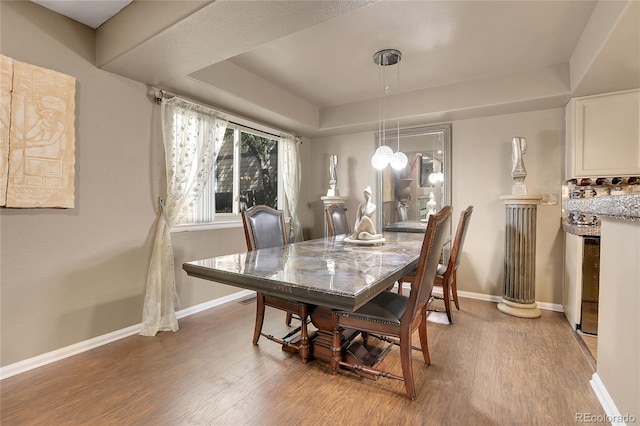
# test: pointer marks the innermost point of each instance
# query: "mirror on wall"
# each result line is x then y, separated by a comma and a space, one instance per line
405, 198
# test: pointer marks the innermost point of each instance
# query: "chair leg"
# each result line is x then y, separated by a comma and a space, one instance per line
454, 289
365, 337
407, 367
424, 345
288, 319
446, 295
259, 317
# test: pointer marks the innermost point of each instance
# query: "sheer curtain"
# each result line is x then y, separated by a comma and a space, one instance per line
291, 180
192, 137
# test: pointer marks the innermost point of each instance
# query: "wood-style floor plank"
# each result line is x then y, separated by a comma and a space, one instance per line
487, 368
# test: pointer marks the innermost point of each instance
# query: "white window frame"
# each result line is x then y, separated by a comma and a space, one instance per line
234, 219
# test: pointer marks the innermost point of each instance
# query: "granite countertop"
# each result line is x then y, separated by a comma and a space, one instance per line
625, 207
584, 231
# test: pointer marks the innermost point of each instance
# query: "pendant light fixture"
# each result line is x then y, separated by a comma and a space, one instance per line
384, 154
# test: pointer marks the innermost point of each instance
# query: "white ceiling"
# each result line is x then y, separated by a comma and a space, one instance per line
92, 13
442, 43
305, 65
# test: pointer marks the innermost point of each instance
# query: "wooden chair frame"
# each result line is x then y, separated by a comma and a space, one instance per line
446, 277
370, 320
292, 308
331, 212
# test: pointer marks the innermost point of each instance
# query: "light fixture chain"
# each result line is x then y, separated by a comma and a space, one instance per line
384, 154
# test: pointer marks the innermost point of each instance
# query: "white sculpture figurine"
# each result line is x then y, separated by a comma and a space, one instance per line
518, 172
431, 205
333, 177
364, 228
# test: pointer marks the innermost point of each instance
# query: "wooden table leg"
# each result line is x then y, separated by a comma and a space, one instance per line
351, 352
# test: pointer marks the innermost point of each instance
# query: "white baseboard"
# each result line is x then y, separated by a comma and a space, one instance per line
59, 354
213, 303
62, 353
488, 298
612, 413
550, 306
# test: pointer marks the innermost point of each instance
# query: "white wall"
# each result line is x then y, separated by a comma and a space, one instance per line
618, 313
481, 162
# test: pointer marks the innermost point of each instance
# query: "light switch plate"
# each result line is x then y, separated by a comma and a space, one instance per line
549, 200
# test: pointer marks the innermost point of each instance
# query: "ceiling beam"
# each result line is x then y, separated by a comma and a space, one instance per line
608, 52
178, 40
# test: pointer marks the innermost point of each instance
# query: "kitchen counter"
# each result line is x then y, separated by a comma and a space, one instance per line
618, 370
625, 207
591, 230
618, 373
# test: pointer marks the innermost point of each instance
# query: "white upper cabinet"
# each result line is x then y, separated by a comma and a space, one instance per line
603, 137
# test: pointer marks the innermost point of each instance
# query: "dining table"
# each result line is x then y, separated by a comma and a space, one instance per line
326, 273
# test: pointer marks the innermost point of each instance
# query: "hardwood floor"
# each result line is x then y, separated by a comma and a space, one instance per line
592, 343
589, 345
487, 368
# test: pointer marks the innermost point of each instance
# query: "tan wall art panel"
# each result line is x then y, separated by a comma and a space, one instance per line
6, 82
41, 170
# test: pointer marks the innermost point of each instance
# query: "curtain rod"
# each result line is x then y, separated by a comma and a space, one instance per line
159, 95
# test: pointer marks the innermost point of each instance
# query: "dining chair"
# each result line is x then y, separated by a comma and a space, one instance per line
392, 317
446, 276
263, 228
337, 220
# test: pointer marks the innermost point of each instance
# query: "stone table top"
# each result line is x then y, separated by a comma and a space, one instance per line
325, 271
407, 226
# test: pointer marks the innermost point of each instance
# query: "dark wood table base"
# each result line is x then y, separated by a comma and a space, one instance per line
321, 342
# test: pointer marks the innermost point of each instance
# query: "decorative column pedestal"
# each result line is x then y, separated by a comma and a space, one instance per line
520, 256
327, 201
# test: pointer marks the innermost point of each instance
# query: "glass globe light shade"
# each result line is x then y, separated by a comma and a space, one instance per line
379, 162
384, 151
399, 160
436, 177
381, 157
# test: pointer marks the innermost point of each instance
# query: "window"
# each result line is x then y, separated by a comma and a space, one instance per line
245, 174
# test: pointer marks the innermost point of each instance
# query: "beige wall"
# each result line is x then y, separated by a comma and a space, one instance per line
72, 274
481, 163
354, 172
482, 173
